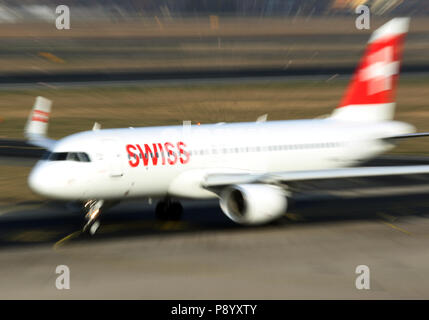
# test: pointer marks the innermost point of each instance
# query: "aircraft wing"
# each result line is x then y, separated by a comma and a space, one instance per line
37, 124
219, 180
410, 135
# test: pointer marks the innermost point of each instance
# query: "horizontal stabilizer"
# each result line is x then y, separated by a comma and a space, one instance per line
410, 135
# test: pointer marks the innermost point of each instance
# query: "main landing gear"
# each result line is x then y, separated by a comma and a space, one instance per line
168, 210
92, 209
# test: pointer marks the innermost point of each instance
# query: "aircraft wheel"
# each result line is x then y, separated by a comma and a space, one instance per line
92, 210
94, 227
168, 210
91, 226
176, 211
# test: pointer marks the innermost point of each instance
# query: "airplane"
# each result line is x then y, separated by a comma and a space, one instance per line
246, 165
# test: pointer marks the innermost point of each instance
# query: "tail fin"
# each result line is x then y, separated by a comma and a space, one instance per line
371, 92
37, 123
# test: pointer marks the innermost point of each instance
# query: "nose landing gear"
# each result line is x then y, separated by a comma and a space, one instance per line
93, 210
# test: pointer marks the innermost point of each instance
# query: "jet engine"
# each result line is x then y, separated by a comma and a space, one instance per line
253, 204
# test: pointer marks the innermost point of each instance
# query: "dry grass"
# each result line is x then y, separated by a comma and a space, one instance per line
77, 109
13, 185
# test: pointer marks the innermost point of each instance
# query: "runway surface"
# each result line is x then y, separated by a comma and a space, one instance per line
312, 252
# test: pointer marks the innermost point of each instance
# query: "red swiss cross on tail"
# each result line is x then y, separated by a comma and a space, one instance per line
370, 95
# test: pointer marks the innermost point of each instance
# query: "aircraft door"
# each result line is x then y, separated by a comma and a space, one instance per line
113, 158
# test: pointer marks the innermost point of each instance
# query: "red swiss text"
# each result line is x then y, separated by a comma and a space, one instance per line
157, 154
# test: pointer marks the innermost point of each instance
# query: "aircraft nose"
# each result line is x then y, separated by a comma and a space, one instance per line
39, 180
57, 181
48, 180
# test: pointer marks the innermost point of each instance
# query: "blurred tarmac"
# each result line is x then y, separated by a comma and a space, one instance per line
310, 253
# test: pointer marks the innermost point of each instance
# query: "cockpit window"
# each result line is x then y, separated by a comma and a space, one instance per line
83, 157
58, 156
72, 156
66, 156
46, 155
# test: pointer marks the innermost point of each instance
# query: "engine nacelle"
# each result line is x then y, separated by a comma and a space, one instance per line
253, 203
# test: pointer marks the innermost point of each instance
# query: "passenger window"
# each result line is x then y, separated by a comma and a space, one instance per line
58, 156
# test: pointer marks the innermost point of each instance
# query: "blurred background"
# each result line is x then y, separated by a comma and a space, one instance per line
112, 35
159, 62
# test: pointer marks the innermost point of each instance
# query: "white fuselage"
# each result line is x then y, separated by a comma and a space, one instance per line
183, 155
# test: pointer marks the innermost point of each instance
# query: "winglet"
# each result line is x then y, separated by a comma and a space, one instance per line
37, 123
